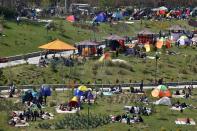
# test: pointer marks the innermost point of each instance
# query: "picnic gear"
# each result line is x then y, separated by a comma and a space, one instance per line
164, 101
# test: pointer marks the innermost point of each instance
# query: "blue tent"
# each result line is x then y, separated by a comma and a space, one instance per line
78, 93
45, 90
117, 15
101, 17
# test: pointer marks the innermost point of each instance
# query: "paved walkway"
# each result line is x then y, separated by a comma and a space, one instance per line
32, 60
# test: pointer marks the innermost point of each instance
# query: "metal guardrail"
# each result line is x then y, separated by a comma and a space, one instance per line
25, 56
53, 86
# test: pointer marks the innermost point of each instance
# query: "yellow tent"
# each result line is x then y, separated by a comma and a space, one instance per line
82, 88
57, 45
74, 99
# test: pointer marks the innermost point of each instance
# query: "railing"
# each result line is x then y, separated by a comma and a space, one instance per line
54, 86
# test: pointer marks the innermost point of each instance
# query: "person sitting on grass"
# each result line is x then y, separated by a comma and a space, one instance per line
187, 121
140, 119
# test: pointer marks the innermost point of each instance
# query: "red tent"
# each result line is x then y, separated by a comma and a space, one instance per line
70, 18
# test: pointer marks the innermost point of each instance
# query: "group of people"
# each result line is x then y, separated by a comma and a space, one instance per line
126, 118
187, 92
140, 110
22, 117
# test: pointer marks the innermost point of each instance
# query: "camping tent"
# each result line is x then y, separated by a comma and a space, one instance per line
163, 101
184, 40
70, 18
101, 17
161, 91
160, 42
117, 15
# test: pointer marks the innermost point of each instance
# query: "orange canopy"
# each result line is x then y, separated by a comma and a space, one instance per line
57, 45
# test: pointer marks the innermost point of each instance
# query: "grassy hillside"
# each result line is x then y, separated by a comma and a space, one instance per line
26, 37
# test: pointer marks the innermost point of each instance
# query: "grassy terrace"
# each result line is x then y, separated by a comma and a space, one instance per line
180, 67
26, 37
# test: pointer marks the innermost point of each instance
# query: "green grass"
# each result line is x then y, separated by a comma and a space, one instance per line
26, 37
180, 67
163, 118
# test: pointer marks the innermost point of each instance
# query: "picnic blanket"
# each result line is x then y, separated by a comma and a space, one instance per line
48, 117
176, 109
107, 93
91, 101
183, 121
22, 125
65, 112
178, 96
7, 96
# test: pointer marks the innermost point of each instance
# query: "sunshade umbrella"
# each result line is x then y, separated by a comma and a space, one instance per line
58, 45
82, 88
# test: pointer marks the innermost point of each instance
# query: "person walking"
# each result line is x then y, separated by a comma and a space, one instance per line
141, 85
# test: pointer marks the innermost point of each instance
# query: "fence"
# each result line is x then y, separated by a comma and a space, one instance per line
54, 86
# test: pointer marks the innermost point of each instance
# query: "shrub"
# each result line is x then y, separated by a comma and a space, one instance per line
8, 13
108, 72
122, 72
53, 66
184, 71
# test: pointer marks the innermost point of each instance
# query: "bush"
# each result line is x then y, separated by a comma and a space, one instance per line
108, 72
8, 13
184, 71
122, 72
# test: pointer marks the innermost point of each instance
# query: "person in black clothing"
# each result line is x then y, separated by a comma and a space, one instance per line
160, 82
35, 114
141, 86
140, 119
128, 120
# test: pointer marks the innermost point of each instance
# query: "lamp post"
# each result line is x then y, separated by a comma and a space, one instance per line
156, 64
88, 114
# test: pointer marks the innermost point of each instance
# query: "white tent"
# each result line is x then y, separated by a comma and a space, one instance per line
163, 101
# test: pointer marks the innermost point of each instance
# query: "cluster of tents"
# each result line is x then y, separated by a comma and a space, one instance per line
163, 93
80, 92
149, 13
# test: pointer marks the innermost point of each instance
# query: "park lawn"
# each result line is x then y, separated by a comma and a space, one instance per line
26, 37
162, 119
